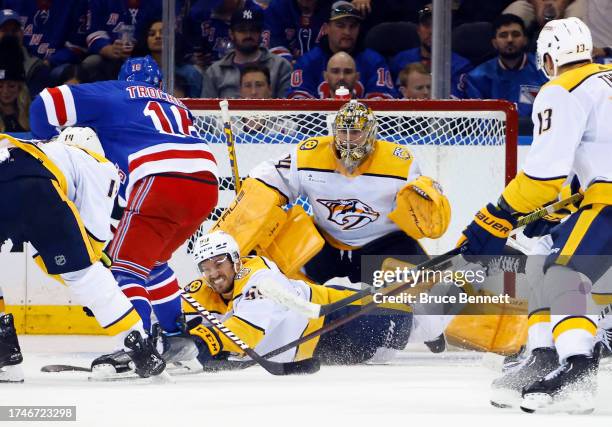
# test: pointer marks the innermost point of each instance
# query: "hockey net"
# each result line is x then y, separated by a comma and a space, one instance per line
467, 146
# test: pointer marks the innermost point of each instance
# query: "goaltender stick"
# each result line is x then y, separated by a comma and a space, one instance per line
229, 288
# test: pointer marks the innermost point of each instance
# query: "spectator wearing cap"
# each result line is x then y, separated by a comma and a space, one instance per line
415, 81
341, 71
513, 74
343, 26
36, 70
207, 28
295, 26
459, 65
54, 30
14, 95
222, 78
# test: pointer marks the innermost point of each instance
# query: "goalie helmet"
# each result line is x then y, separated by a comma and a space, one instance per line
565, 41
83, 137
216, 243
141, 69
354, 134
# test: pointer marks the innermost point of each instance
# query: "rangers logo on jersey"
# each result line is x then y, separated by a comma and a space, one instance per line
349, 213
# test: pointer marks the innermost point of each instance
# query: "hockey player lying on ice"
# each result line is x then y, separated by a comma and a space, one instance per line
229, 288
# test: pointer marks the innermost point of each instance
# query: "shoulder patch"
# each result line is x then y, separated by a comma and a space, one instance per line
401, 153
194, 286
309, 144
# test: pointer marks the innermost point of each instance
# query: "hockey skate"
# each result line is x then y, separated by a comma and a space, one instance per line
569, 388
112, 365
10, 352
506, 390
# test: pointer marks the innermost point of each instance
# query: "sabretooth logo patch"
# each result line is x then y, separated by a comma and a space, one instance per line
350, 213
492, 223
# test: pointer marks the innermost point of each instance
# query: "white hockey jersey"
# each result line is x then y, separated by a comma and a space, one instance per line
572, 118
261, 323
350, 210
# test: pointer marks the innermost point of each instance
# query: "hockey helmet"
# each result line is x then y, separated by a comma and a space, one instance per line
354, 130
214, 244
565, 41
84, 137
141, 69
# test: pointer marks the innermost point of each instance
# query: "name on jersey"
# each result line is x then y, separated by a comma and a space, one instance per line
136, 92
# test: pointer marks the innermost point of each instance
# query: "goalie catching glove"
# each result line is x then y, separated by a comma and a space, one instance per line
488, 232
422, 210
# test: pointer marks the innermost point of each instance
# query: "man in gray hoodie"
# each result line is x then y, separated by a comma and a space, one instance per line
222, 79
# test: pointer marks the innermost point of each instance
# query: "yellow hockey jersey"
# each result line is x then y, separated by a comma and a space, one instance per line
350, 210
261, 323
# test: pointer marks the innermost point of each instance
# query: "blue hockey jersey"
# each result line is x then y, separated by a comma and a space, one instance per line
53, 30
290, 32
308, 81
143, 130
459, 67
491, 80
206, 32
106, 18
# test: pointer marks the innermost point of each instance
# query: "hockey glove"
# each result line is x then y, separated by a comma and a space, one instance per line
208, 342
488, 232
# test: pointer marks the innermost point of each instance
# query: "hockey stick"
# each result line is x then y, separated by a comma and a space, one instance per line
313, 311
231, 144
308, 366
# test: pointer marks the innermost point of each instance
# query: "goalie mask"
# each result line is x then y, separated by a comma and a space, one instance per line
354, 134
215, 244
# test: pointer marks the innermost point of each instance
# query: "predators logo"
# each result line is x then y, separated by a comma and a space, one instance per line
351, 214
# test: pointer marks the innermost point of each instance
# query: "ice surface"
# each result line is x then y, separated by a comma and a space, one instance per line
417, 389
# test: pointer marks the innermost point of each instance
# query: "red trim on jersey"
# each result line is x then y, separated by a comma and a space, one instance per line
135, 291
171, 155
164, 292
59, 104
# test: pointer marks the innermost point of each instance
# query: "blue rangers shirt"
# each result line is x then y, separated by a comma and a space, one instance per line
492, 80
53, 30
107, 17
308, 81
459, 67
143, 130
291, 32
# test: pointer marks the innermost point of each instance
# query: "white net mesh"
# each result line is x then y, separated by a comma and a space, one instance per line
464, 150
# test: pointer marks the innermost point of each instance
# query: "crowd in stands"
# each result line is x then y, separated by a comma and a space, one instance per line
377, 49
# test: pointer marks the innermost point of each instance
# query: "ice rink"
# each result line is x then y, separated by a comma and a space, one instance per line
418, 388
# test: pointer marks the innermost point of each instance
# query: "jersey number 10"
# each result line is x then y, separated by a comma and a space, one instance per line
180, 126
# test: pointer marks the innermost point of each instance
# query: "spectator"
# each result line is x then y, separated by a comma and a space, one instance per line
341, 71
14, 95
539, 12
343, 26
54, 31
415, 81
73, 75
111, 30
513, 74
599, 20
222, 79
207, 29
255, 82
295, 26
36, 70
459, 65
150, 43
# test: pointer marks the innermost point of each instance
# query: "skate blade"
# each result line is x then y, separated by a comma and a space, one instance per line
505, 398
11, 374
577, 403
